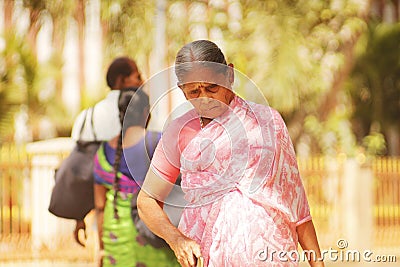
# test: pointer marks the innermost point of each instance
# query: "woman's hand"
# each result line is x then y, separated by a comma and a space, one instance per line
100, 258
150, 208
186, 250
80, 225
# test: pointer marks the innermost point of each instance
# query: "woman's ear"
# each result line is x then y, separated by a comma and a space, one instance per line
180, 85
231, 73
126, 81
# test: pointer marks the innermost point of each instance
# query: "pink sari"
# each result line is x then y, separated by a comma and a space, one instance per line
240, 177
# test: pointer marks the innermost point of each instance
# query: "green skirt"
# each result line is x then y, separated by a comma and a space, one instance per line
122, 245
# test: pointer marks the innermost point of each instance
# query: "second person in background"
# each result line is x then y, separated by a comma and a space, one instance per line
119, 169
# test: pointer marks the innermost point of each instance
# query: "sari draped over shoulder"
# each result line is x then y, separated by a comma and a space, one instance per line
240, 177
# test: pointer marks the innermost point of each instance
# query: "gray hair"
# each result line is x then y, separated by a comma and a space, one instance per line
201, 52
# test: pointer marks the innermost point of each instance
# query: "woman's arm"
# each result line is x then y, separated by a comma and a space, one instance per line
99, 205
308, 241
150, 208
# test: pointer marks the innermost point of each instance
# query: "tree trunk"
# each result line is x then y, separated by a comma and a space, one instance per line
34, 28
393, 140
8, 14
330, 100
80, 19
58, 41
396, 4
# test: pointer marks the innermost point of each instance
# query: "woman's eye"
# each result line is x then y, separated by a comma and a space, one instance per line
213, 88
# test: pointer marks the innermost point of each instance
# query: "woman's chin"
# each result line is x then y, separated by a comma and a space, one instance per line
208, 115
211, 114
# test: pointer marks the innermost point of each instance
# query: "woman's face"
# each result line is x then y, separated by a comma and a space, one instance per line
133, 80
209, 93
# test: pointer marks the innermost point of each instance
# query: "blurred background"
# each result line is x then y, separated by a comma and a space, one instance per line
331, 68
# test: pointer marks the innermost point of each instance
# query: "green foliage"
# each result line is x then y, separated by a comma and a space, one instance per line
294, 51
375, 86
297, 52
374, 143
17, 74
129, 29
332, 136
26, 84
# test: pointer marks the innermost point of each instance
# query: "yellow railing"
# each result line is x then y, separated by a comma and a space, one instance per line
325, 181
14, 178
321, 179
27, 229
387, 200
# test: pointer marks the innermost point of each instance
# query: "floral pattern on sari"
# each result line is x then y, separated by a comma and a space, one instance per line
240, 177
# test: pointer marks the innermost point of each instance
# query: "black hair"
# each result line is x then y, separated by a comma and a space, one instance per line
134, 106
121, 66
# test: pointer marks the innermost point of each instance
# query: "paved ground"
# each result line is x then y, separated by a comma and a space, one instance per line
77, 264
360, 264
45, 264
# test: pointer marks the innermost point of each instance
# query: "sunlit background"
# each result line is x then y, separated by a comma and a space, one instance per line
332, 69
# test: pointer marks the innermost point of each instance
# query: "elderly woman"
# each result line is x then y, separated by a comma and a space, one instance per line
246, 202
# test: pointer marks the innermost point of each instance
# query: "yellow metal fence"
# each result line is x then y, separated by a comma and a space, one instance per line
17, 198
14, 174
323, 180
387, 201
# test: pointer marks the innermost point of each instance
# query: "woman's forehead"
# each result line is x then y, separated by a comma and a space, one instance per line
204, 75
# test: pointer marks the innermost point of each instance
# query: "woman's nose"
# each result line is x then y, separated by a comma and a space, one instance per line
204, 96
204, 99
